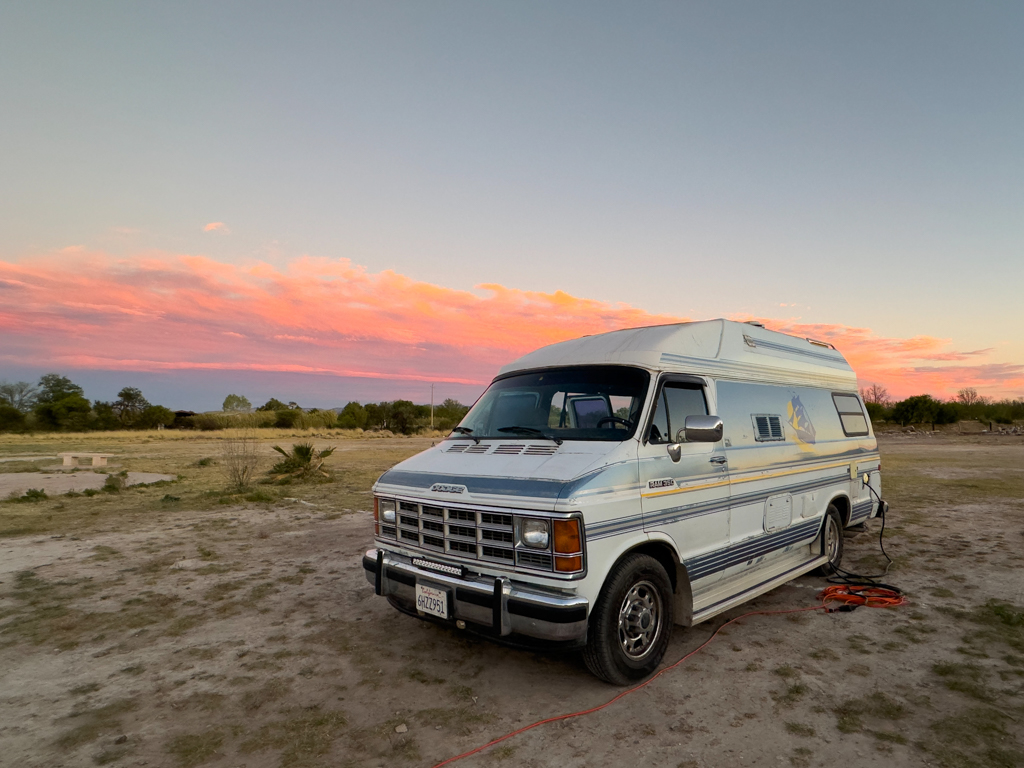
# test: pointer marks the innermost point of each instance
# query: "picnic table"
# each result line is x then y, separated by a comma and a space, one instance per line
98, 459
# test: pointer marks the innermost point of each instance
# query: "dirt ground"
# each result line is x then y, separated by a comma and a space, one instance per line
191, 625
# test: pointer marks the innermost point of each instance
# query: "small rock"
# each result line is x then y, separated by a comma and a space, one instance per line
121, 739
401, 728
437, 727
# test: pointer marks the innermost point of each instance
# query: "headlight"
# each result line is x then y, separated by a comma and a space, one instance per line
535, 533
387, 510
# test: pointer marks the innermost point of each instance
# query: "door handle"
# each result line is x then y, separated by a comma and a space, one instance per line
718, 459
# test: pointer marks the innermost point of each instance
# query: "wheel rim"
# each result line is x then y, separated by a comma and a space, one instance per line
640, 620
832, 541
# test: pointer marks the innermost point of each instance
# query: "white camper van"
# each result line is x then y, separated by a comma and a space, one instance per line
604, 489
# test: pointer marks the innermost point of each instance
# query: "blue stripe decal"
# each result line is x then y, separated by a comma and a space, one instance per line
504, 486
751, 549
663, 517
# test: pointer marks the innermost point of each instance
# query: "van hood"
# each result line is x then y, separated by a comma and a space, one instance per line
508, 472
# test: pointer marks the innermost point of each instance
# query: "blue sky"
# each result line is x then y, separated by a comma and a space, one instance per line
836, 163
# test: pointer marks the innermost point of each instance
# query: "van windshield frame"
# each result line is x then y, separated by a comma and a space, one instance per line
565, 403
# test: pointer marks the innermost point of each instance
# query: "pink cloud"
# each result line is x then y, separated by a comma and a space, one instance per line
217, 226
159, 311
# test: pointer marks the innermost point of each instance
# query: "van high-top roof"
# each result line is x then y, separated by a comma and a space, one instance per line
724, 349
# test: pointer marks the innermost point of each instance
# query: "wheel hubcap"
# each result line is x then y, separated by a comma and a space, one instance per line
832, 541
640, 620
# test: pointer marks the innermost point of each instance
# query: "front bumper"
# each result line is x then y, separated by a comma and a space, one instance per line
499, 605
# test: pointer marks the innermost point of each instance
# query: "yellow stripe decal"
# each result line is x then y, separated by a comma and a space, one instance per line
720, 483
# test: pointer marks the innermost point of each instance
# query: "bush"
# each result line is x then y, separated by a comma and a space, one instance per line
114, 484
302, 461
241, 460
11, 419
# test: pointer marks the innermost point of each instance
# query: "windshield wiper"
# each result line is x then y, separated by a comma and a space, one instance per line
466, 432
529, 431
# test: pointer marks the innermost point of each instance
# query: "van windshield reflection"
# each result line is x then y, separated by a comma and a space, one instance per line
575, 403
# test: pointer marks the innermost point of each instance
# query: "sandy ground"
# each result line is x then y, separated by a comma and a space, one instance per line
249, 637
63, 482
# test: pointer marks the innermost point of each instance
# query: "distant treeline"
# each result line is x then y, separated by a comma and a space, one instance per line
57, 404
924, 409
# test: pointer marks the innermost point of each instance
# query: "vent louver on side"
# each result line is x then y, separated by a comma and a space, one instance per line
767, 428
457, 448
479, 448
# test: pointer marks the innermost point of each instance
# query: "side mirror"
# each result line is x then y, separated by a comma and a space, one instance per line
703, 429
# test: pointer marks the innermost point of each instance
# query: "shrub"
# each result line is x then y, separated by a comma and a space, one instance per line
11, 419
302, 461
241, 459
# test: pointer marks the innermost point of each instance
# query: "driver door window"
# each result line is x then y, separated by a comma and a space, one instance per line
675, 402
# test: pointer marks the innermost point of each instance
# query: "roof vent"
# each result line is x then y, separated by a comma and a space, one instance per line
755, 323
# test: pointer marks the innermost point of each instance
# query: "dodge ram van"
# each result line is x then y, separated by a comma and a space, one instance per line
604, 489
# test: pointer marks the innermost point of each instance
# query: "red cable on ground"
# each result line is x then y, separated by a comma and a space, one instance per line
852, 595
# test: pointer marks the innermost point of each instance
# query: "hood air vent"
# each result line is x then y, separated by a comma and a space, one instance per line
513, 449
508, 450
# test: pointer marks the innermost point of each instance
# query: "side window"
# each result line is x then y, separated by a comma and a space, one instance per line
851, 415
675, 403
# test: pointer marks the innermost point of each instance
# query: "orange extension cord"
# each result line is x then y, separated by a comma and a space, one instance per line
851, 595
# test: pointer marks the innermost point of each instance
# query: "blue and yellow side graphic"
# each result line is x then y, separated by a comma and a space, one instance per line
801, 423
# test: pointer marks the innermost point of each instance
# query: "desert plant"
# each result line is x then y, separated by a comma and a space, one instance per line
241, 459
304, 460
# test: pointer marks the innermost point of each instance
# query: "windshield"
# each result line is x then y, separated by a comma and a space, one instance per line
579, 403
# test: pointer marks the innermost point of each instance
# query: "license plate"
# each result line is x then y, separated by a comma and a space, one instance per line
432, 601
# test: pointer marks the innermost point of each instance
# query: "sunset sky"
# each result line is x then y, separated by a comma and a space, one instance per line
328, 202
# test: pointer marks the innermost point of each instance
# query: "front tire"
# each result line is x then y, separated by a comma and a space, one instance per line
631, 623
831, 541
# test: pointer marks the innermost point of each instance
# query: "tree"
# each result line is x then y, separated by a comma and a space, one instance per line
129, 405
20, 395
105, 416
54, 387
449, 414
352, 416
154, 416
273, 404
876, 394
237, 403
70, 413
11, 419
969, 396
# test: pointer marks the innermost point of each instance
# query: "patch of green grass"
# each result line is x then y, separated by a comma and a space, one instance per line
799, 729
220, 591
976, 738
965, 678
103, 553
791, 695
785, 671
419, 676
272, 690
300, 738
889, 736
942, 592
504, 752
191, 749
860, 643
92, 723
84, 689
824, 654
850, 713
30, 496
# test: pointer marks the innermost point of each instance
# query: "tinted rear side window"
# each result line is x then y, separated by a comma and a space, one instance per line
855, 424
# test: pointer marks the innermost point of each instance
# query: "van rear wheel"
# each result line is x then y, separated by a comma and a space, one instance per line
832, 541
631, 623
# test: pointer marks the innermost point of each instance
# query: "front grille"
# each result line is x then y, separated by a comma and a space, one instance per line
533, 559
466, 534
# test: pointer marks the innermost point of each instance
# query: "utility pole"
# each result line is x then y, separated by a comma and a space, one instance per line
431, 406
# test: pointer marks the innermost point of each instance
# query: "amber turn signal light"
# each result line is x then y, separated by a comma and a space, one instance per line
376, 505
567, 537
568, 564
